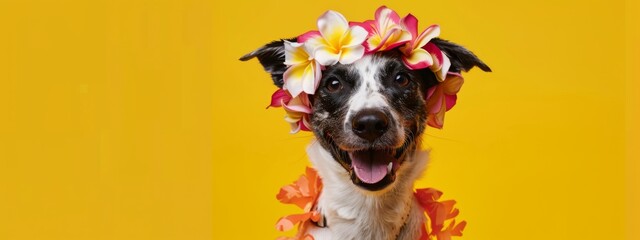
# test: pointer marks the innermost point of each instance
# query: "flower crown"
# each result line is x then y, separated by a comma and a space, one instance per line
340, 41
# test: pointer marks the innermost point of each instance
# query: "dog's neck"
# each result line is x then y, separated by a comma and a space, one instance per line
352, 213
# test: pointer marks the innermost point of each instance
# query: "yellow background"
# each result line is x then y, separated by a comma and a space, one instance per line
134, 119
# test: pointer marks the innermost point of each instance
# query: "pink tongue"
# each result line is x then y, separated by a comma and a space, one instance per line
370, 166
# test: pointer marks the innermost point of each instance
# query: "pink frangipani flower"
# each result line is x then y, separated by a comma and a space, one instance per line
441, 62
385, 32
297, 109
415, 57
441, 98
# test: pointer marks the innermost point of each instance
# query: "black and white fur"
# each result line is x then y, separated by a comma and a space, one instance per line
374, 106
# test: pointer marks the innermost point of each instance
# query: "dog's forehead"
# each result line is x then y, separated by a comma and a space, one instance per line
369, 68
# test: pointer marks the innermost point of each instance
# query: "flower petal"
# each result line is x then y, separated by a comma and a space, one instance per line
435, 50
435, 101
394, 37
318, 74
294, 53
286, 223
292, 116
352, 54
309, 85
327, 56
304, 124
432, 122
426, 36
279, 97
303, 185
457, 230
444, 69
308, 35
410, 23
418, 59
374, 42
438, 117
450, 101
296, 76
312, 43
293, 79
452, 84
298, 105
332, 26
386, 18
295, 128
387, 32
367, 25
354, 36
312, 175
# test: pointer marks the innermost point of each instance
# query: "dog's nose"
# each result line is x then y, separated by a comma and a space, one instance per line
370, 124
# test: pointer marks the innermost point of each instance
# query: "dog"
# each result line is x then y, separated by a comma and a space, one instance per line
368, 117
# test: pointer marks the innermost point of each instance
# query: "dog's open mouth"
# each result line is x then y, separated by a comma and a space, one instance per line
373, 169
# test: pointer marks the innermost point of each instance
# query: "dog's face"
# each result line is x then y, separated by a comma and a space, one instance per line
370, 114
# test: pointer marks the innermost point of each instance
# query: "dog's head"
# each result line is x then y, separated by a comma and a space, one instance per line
370, 114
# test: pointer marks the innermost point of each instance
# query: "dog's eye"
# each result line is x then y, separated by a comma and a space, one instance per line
402, 79
333, 85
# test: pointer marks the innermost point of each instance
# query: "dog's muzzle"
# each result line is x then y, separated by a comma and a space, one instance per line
370, 124
374, 167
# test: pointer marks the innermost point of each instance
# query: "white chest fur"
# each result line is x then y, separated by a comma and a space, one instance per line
352, 213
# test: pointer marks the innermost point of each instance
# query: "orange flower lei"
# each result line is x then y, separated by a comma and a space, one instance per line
303, 193
440, 215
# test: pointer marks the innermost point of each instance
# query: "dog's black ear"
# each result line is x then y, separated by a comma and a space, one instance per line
461, 58
271, 56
